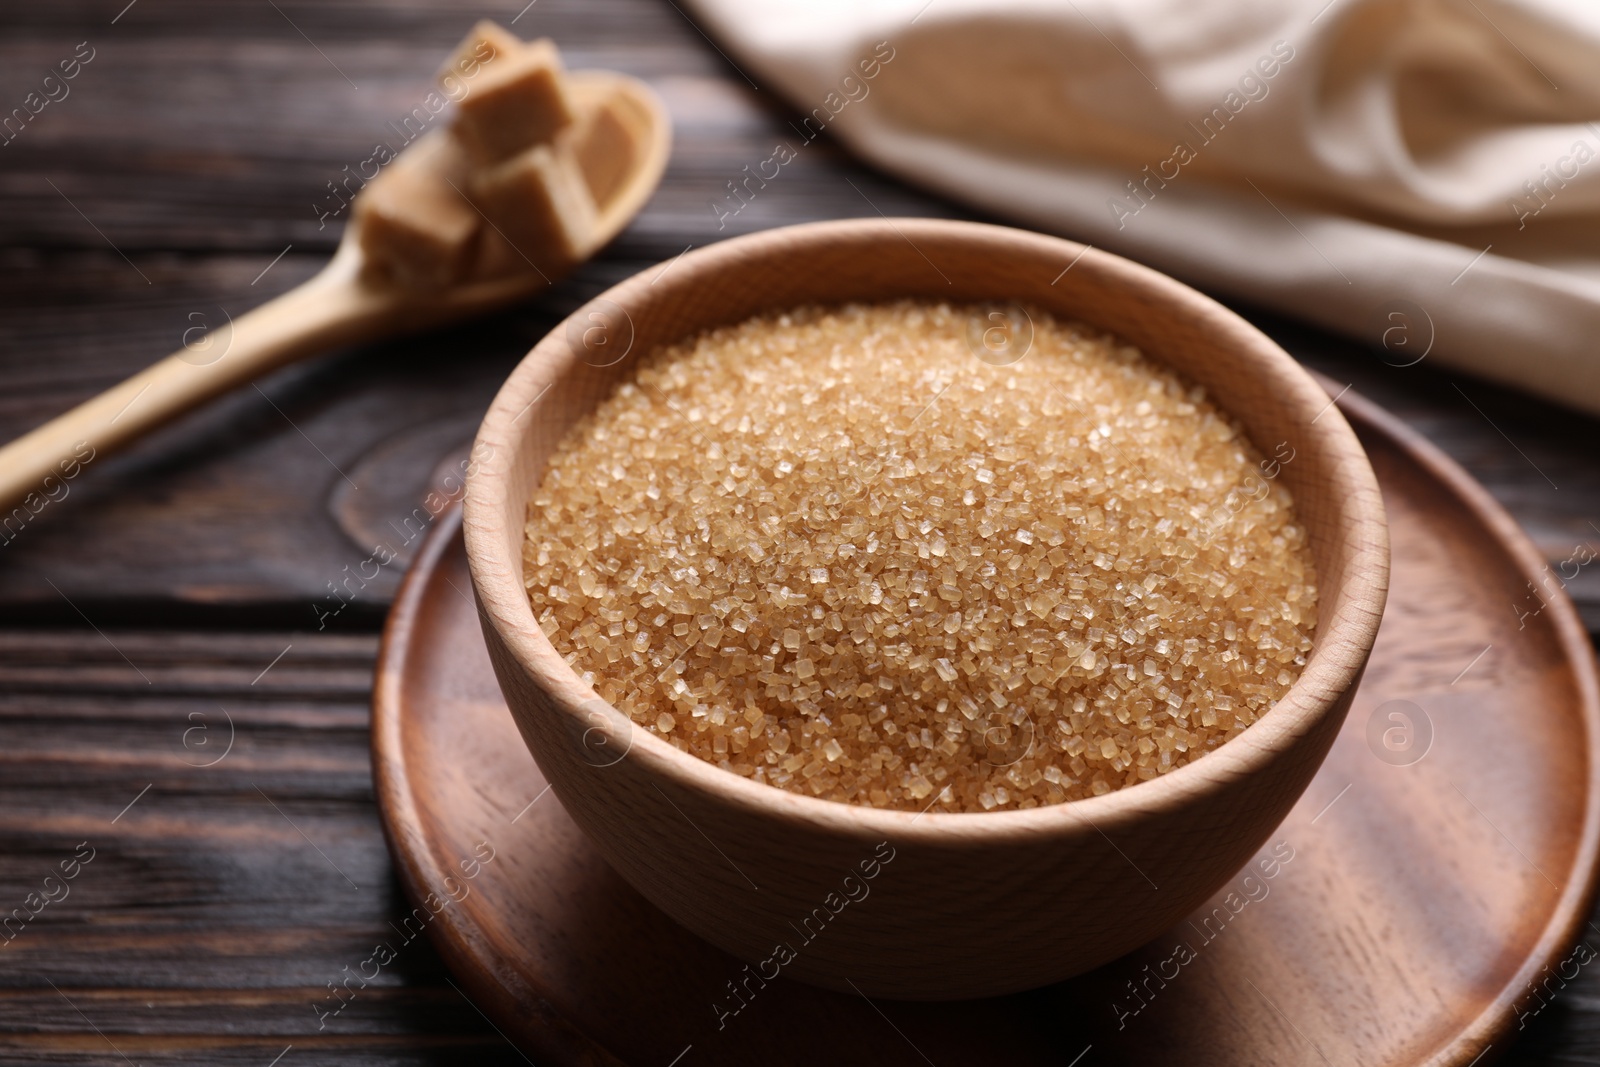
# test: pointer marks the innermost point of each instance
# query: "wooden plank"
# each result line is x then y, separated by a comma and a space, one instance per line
88, 1049
258, 495
206, 927
198, 140
265, 520
200, 179
232, 863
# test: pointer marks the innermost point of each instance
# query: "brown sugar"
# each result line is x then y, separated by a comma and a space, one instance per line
416, 227
836, 552
517, 181
608, 141
519, 100
542, 205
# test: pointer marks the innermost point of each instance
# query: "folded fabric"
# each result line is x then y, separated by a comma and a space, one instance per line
1423, 175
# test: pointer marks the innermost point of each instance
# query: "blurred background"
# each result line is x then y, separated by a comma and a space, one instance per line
177, 685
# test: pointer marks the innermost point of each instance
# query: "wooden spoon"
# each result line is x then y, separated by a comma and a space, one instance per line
341, 305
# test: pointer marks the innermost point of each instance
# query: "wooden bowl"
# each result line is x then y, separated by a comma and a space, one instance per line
892, 903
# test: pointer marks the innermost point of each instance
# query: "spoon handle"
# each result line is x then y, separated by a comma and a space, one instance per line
329, 309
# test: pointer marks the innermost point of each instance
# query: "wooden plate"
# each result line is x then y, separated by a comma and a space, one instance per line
1441, 860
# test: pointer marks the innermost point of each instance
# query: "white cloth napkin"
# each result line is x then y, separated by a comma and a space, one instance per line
1420, 174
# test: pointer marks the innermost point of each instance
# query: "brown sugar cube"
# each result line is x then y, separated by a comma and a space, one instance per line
540, 203
517, 100
481, 48
417, 228
495, 257
607, 140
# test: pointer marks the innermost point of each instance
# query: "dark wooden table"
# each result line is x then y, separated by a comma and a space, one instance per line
177, 598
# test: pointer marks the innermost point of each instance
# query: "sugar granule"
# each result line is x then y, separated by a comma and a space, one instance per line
834, 552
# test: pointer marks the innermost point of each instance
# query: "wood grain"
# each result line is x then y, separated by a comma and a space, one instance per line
205, 927
1414, 905
197, 141
340, 306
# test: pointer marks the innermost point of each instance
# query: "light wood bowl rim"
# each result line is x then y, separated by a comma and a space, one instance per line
1335, 666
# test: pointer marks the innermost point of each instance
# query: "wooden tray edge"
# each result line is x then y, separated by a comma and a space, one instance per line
1493, 1024
563, 1042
